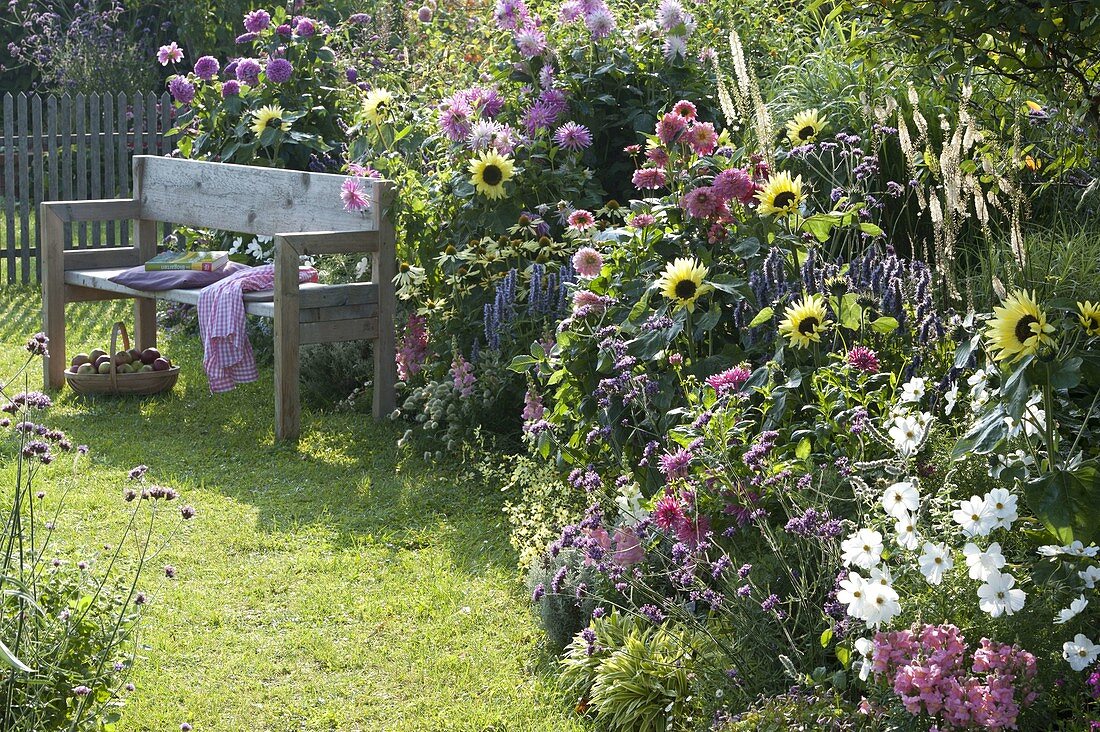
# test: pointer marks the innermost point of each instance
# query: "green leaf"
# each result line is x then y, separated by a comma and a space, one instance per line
521, 363
9, 658
803, 450
984, 436
762, 317
826, 637
850, 313
868, 228
884, 324
1067, 375
1068, 503
843, 655
965, 349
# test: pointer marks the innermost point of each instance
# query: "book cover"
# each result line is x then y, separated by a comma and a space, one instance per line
202, 261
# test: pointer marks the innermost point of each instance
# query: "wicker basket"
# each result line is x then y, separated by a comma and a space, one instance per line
149, 382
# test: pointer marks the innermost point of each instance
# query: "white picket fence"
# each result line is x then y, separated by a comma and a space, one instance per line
56, 148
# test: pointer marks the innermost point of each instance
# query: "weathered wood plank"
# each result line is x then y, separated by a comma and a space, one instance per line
95, 190
53, 297
23, 118
246, 199
333, 242
335, 331
66, 171
52, 126
81, 111
100, 258
39, 178
324, 296
340, 312
109, 188
9, 184
287, 341
383, 272
114, 208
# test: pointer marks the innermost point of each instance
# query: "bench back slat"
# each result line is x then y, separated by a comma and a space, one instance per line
248, 199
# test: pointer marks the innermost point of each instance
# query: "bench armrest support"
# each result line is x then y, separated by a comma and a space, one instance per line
108, 209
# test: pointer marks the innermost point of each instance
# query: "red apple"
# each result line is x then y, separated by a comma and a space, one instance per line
161, 364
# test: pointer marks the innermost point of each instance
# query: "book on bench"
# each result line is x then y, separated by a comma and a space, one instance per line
202, 261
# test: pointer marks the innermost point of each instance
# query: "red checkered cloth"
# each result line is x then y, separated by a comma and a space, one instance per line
228, 356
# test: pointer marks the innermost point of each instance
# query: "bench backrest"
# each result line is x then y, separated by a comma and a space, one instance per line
248, 199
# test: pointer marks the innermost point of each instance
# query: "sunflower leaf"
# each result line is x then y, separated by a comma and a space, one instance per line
1066, 502
762, 317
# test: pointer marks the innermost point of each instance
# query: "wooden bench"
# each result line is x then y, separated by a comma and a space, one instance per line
304, 214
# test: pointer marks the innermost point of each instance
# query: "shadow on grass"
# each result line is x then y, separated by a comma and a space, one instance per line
347, 477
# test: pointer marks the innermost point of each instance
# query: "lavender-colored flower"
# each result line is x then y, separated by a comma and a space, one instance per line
37, 344
573, 136
231, 88
284, 30
187, 513
257, 21
81, 690
651, 613
279, 70
675, 464
454, 119
207, 67
424, 14
169, 571
538, 593
352, 75
530, 41
246, 38
539, 116
248, 71
600, 23
510, 14
305, 28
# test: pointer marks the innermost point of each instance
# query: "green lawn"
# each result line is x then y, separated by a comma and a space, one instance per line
342, 586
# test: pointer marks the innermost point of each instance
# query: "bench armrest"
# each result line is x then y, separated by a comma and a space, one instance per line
330, 242
108, 209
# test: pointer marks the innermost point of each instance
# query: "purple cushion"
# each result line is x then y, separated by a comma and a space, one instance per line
172, 279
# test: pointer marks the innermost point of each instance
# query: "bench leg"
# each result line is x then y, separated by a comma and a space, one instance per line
288, 409
145, 323
385, 347
53, 298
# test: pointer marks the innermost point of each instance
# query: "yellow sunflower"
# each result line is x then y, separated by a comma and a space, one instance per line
804, 321
682, 282
376, 105
490, 170
805, 126
265, 117
1089, 317
781, 195
1018, 327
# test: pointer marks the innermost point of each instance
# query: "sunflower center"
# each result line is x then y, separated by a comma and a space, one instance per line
1023, 328
784, 199
808, 325
806, 132
1094, 323
492, 175
686, 289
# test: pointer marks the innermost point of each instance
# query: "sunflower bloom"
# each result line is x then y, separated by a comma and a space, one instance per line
269, 116
376, 105
805, 126
489, 172
1089, 317
804, 321
682, 282
1018, 327
782, 195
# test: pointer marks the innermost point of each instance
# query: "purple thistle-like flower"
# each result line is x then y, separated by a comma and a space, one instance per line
573, 136
207, 67
539, 116
675, 464
187, 513
138, 472
864, 359
510, 14
37, 344
530, 41
279, 70
257, 21
248, 71
231, 88
81, 690
169, 571
731, 379
454, 120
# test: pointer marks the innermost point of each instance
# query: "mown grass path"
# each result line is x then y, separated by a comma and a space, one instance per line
342, 586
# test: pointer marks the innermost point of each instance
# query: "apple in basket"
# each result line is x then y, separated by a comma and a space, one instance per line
135, 355
149, 355
162, 364
95, 354
85, 368
104, 367
80, 358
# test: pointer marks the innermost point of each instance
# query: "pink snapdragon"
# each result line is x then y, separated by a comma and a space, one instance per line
462, 375
413, 349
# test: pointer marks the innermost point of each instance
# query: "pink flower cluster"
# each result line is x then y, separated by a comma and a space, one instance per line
462, 374
927, 667
731, 379
624, 547
413, 349
670, 514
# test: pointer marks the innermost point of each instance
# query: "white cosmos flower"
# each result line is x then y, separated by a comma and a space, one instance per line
1003, 503
1089, 576
997, 596
901, 499
862, 549
982, 565
935, 559
950, 397
913, 390
978, 382
853, 593
865, 647
907, 432
906, 529
1075, 607
1080, 652
975, 516
883, 604
1000, 462
1077, 549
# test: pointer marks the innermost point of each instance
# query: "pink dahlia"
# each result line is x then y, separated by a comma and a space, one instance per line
586, 302
641, 221
171, 53
702, 203
668, 514
864, 359
670, 128
735, 184
573, 136
581, 219
354, 196
588, 262
649, 178
685, 109
729, 380
702, 138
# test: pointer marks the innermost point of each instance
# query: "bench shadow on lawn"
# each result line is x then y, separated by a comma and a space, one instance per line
347, 476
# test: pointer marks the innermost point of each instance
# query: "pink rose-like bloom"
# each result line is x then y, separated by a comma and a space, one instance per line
864, 359
354, 196
729, 380
207, 67
171, 53
581, 220
588, 262
702, 138
657, 155
685, 109
670, 128
305, 28
628, 549
231, 88
649, 178
735, 184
